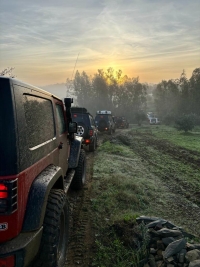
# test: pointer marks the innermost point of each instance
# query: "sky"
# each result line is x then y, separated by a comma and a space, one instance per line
152, 39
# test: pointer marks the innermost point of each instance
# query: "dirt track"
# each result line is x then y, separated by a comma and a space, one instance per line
81, 237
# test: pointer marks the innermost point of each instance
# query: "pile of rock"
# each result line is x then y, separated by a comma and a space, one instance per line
168, 245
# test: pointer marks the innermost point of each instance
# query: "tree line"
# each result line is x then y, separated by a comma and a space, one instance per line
110, 90
179, 98
126, 96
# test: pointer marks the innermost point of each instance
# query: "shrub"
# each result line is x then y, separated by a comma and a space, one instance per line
185, 123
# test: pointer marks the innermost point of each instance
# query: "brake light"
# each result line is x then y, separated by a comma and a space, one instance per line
75, 115
3, 191
87, 141
91, 132
8, 261
8, 196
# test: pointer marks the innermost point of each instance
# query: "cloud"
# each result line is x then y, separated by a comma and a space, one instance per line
50, 34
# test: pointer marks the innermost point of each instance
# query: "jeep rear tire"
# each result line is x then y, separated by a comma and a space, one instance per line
53, 247
80, 172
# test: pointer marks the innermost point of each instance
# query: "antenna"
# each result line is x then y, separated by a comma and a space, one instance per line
75, 66
70, 81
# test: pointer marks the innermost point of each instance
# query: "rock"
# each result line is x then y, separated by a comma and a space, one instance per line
165, 232
181, 255
193, 255
152, 261
160, 245
195, 263
146, 219
155, 223
167, 240
174, 248
153, 250
193, 246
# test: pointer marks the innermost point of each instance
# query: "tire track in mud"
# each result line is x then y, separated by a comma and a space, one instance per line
81, 238
168, 174
179, 153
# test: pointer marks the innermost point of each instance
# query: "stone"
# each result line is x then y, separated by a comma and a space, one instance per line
146, 219
167, 240
174, 248
158, 257
152, 261
195, 263
160, 263
159, 252
193, 255
193, 246
160, 245
153, 250
155, 223
181, 256
165, 232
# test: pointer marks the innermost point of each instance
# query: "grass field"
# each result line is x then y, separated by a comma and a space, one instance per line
151, 171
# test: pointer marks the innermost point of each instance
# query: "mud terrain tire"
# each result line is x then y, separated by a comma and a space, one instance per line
80, 172
53, 247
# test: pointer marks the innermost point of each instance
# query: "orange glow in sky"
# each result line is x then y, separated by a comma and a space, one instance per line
154, 40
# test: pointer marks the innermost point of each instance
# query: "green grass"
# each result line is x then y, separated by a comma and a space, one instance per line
134, 178
190, 140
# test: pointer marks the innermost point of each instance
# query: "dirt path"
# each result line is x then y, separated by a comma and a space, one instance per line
81, 236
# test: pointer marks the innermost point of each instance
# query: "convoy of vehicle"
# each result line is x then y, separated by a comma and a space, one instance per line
41, 157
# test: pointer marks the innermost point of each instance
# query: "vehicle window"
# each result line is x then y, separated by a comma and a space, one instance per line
39, 120
61, 119
101, 117
92, 121
80, 117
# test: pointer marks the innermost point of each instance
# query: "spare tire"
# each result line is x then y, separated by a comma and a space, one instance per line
102, 125
81, 129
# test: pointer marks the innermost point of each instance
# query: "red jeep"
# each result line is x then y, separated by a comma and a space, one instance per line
40, 158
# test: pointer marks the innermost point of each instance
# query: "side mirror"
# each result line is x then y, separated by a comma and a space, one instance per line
72, 127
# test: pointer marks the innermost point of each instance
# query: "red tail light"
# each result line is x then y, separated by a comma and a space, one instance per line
8, 261
3, 191
8, 196
91, 132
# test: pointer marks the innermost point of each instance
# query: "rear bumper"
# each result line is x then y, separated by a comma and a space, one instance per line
24, 247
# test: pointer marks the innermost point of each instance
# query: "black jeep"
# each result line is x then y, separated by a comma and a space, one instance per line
86, 127
105, 122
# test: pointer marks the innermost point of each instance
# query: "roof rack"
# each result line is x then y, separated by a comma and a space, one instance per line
104, 112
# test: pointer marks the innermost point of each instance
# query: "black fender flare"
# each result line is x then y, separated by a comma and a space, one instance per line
75, 149
51, 177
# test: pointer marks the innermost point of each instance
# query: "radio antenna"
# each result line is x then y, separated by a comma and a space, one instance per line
75, 66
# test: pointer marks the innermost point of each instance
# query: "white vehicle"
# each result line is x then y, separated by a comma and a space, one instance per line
154, 121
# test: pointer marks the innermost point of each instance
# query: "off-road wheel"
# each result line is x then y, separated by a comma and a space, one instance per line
81, 129
80, 172
92, 146
53, 247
